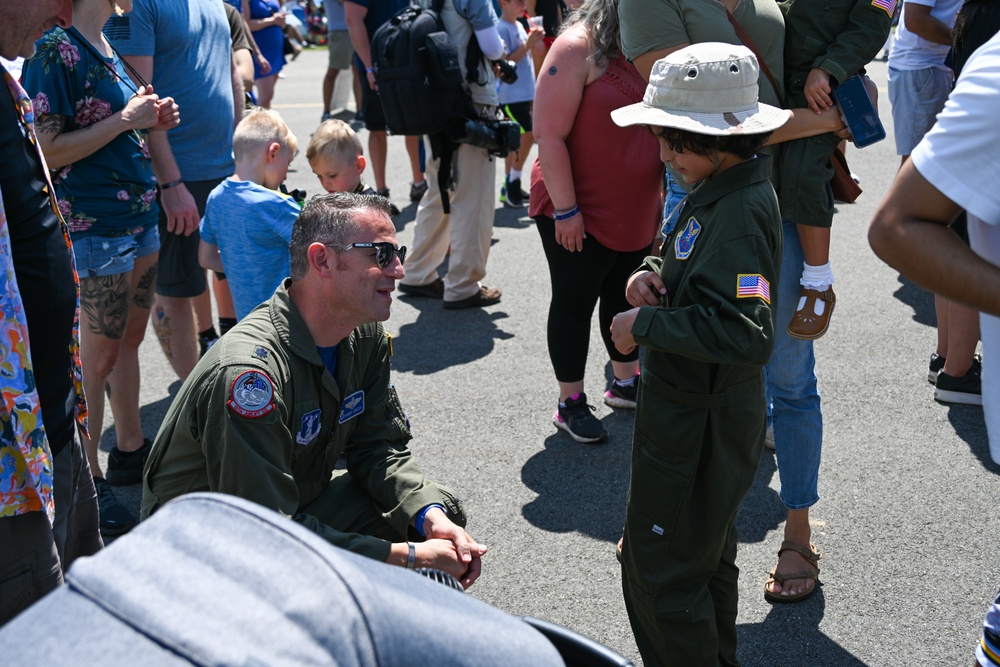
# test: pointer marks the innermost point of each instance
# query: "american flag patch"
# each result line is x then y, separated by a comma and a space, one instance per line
889, 6
750, 285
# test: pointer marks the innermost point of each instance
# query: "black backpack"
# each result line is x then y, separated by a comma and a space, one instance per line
418, 75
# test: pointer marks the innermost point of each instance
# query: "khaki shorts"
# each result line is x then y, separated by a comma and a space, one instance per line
338, 44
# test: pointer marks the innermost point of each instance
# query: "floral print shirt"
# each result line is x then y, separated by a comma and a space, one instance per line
111, 192
25, 461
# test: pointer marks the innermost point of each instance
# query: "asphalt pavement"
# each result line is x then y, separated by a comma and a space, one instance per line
907, 519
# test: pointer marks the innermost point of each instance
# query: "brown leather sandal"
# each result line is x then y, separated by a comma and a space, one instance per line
811, 555
806, 324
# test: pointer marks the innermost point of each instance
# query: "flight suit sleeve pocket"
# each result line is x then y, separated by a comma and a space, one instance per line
400, 423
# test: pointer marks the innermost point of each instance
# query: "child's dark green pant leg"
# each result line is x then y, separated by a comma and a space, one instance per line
679, 575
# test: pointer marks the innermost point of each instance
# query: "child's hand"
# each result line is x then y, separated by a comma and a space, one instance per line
621, 331
646, 289
817, 90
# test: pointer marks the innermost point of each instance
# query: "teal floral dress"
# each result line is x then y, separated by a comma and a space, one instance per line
111, 192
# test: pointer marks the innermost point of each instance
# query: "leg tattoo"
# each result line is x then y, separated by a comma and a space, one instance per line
144, 289
161, 324
105, 300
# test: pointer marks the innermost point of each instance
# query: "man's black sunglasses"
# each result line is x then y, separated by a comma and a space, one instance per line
384, 251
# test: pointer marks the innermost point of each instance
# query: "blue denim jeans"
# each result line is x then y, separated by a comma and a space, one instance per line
792, 396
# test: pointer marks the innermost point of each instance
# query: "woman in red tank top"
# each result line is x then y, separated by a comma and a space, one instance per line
595, 196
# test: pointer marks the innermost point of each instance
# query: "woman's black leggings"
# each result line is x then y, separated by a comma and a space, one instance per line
579, 279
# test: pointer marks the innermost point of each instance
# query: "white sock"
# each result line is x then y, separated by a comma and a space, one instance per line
515, 174
817, 277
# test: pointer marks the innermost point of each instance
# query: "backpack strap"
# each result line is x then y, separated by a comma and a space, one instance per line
443, 148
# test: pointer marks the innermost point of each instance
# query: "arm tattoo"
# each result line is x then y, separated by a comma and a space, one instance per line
50, 123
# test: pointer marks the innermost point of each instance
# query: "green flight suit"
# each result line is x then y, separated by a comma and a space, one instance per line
700, 417
261, 417
839, 37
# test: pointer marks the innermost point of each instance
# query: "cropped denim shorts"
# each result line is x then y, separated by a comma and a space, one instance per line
98, 256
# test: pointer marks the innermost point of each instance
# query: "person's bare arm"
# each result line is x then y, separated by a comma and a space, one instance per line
238, 94
919, 21
177, 202
209, 257
62, 148
909, 233
558, 93
354, 14
644, 63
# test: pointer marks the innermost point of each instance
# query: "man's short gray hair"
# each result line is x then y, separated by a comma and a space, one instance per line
329, 218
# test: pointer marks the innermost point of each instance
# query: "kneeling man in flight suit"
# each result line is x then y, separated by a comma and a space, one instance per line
304, 379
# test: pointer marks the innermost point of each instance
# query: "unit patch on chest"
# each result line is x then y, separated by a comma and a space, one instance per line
252, 394
352, 406
309, 427
684, 243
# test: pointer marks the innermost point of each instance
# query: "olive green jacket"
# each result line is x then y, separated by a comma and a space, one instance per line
711, 335
260, 417
838, 36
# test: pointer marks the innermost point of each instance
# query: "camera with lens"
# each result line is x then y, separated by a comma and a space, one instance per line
508, 71
499, 137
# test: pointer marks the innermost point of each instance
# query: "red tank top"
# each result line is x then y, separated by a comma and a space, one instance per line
616, 170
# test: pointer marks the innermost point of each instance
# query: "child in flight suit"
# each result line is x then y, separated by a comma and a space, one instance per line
704, 314
823, 47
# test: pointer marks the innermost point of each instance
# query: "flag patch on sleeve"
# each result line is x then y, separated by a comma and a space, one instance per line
888, 6
753, 285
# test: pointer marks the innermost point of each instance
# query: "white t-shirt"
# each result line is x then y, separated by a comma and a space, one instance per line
910, 52
953, 158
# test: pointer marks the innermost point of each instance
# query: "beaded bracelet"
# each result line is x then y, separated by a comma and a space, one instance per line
571, 213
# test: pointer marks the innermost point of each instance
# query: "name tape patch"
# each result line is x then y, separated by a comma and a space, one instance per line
352, 406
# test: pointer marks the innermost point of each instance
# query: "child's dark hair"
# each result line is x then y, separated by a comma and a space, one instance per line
745, 146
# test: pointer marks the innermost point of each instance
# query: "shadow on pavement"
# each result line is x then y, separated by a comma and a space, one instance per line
919, 299
440, 338
592, 479
761, 510
767, 644
967, 421
512, 218
150, 415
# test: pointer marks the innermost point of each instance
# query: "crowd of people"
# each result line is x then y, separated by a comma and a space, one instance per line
146, 176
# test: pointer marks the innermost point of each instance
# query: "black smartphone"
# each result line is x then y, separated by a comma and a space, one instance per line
859, 112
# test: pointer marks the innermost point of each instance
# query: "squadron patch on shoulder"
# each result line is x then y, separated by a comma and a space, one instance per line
684, 243
888, 6
753, 286
252, 394
352, 406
